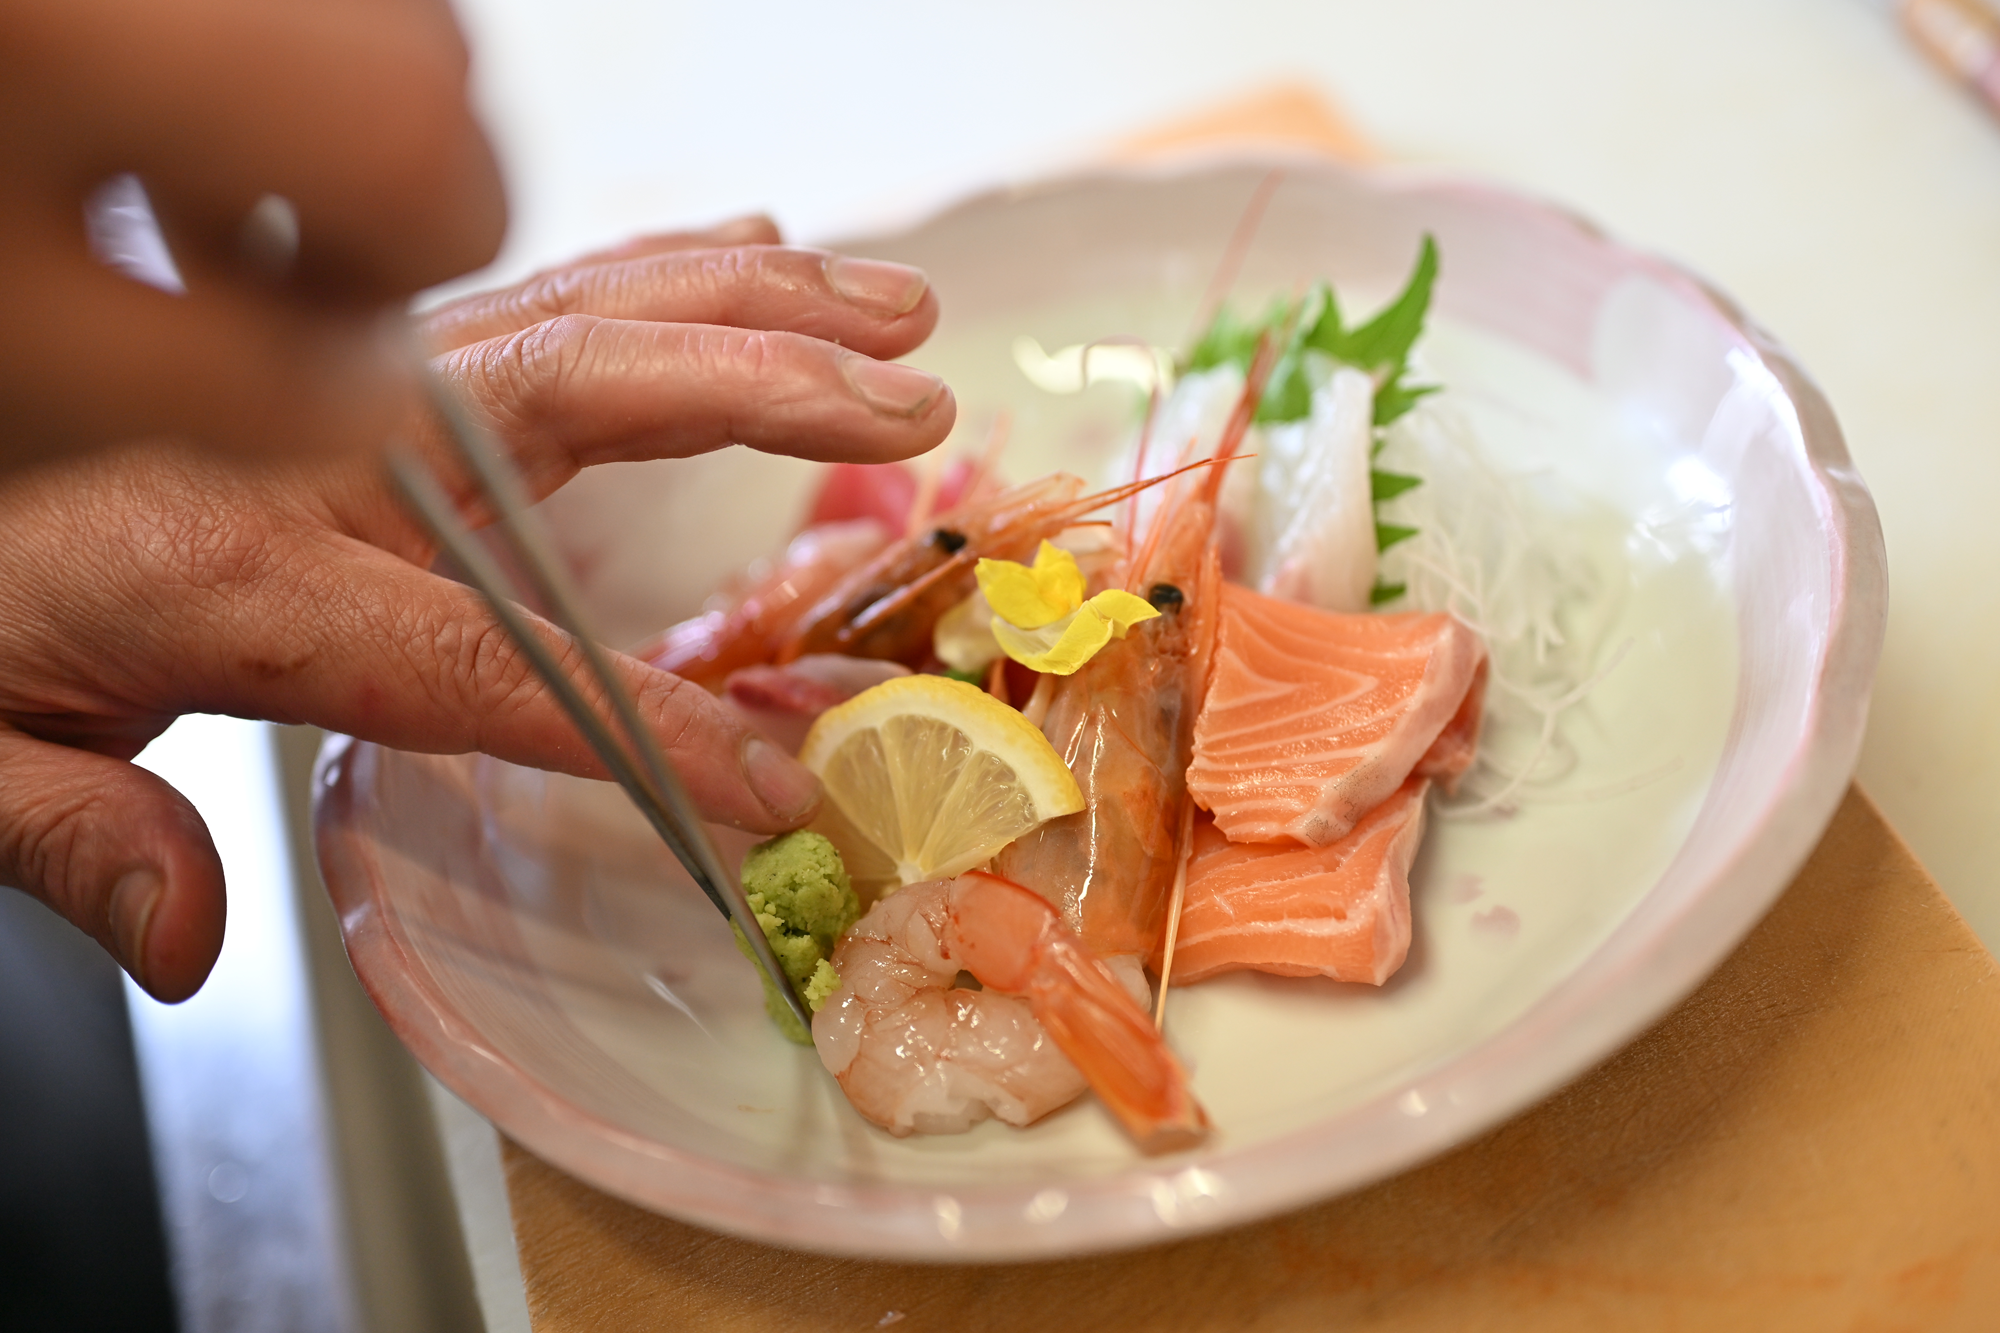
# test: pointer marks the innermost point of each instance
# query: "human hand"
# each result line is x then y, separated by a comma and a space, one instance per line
354, 111
153, 579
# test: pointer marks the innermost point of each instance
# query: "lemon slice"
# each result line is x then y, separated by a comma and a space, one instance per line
927, 777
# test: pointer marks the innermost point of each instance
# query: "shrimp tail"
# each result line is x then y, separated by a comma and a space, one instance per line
1113, 1043
1014, 942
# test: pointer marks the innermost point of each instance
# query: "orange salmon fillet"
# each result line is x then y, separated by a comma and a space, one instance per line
1340, 911
1452, 753
1312, 718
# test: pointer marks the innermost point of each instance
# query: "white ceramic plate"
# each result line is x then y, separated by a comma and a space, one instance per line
543, 957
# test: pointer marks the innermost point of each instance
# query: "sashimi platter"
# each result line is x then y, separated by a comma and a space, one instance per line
1370, 647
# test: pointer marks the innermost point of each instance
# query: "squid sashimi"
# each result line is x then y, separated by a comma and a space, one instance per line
1340, 911
1312, 719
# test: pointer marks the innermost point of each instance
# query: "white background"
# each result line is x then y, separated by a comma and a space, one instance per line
1799, 153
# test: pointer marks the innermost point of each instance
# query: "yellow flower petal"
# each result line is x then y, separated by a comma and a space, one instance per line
1031, 598
1057, 575
1057, 649
1122, 609
1062, 646
1013, 593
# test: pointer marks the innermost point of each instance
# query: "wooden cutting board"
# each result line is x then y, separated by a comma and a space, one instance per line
1812, 1141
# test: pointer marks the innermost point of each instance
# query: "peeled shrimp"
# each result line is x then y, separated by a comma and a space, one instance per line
915, 1054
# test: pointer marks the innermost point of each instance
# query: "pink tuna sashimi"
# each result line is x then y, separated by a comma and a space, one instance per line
884, 492
1313, 718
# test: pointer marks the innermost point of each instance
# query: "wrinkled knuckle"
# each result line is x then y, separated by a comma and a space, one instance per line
728, 267
222, 551
521, 376
549, 297
760, 353
47, 835
678, 711
494, 671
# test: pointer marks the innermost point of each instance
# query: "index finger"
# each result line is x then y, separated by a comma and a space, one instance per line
750, 229
877, 308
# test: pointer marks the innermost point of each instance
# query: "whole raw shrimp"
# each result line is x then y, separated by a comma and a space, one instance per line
1124, 723
889, 606
845, 588
745, 629
916, 1054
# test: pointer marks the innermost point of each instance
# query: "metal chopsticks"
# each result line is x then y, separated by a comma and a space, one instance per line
644, 771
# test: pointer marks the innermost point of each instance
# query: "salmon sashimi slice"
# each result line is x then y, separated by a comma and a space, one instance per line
1452, 753
1340, 911
1313, 718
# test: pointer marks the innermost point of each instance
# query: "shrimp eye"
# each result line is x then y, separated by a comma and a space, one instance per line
948, 541
1165, 597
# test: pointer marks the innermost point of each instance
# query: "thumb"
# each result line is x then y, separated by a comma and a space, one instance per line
119, 853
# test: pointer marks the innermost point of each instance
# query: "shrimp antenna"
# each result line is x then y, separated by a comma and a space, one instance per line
1240, 420
968, 556
1235, 253
1139, 461
1184, 849
925, 500
997, 437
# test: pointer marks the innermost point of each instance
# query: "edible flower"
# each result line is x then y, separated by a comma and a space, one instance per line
1041, 618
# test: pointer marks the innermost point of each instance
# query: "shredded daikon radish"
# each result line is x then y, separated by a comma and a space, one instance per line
1514, 556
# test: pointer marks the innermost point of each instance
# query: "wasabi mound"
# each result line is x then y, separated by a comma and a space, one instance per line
803, 899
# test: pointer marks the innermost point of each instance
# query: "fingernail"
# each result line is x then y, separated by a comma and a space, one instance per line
749, 228
133, 899
891, 389
874, 284
785, 786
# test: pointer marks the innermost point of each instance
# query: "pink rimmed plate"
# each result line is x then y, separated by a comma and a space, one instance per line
544, 959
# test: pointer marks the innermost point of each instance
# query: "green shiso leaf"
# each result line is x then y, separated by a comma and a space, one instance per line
1385, 592
1289, 395
1392, 400
1388, 485
1231, 340
1381, 346
1388, 534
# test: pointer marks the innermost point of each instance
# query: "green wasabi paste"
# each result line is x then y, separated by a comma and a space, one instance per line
803, 900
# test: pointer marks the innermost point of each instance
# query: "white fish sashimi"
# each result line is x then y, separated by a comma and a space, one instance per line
1311, 532
1297, 511
1187, 424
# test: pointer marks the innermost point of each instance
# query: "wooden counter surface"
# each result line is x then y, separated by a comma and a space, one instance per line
1811, 1141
